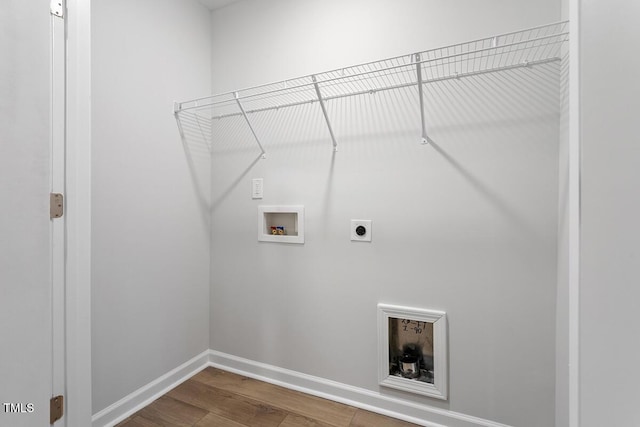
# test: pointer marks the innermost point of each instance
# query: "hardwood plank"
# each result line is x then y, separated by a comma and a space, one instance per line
200, 395
169, 411
124, 422
322, 410
137, 421
246, 411
295, 420
213, 420
219, 398
364, 418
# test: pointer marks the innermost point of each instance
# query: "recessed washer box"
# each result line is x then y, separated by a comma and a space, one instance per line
289, 218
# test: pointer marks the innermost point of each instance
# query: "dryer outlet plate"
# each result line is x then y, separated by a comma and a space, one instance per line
361, 230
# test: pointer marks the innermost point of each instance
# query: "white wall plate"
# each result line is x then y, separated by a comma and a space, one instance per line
361, 230
257, 187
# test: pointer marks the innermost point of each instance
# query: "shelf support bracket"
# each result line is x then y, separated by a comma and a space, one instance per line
244, 114
324, 112
425, 138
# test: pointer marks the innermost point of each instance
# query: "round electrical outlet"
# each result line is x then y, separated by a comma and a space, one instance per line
361, 230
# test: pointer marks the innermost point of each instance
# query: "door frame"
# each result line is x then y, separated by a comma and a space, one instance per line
78, 206
78, 214
57, 232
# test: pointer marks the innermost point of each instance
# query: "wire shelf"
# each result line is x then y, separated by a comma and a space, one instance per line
526, 48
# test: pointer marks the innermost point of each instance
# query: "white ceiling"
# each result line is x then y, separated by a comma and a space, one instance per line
217, 4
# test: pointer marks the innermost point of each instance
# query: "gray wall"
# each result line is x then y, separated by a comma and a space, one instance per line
468, 226
562, 291
609, 292
150, 310
25, 284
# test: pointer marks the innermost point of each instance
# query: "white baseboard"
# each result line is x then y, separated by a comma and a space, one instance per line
369, 400
421, 414
140, 398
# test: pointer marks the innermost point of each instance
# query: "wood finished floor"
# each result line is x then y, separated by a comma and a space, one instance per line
218, 398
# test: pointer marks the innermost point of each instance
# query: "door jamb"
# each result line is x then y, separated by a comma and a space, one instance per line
57, 185
78, 214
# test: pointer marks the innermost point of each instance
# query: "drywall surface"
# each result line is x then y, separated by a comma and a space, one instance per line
150, 309
609, 292
467, 225
562, 292
25, 285
562, 298
261, 42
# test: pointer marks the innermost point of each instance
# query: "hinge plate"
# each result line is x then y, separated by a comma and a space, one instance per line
56, 8
56, 205
56, 405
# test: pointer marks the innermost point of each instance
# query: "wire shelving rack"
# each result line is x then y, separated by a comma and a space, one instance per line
526, 48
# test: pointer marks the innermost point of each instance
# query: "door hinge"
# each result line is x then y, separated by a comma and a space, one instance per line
56, 411
57, 9
56, 205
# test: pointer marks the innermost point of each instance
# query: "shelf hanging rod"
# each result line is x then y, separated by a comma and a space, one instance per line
399, 86
441, 58
264, 156
324, 112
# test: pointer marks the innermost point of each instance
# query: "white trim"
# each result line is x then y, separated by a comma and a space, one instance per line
436, 390
57, 185
78, 215
374, 401
140, 398
574, 214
